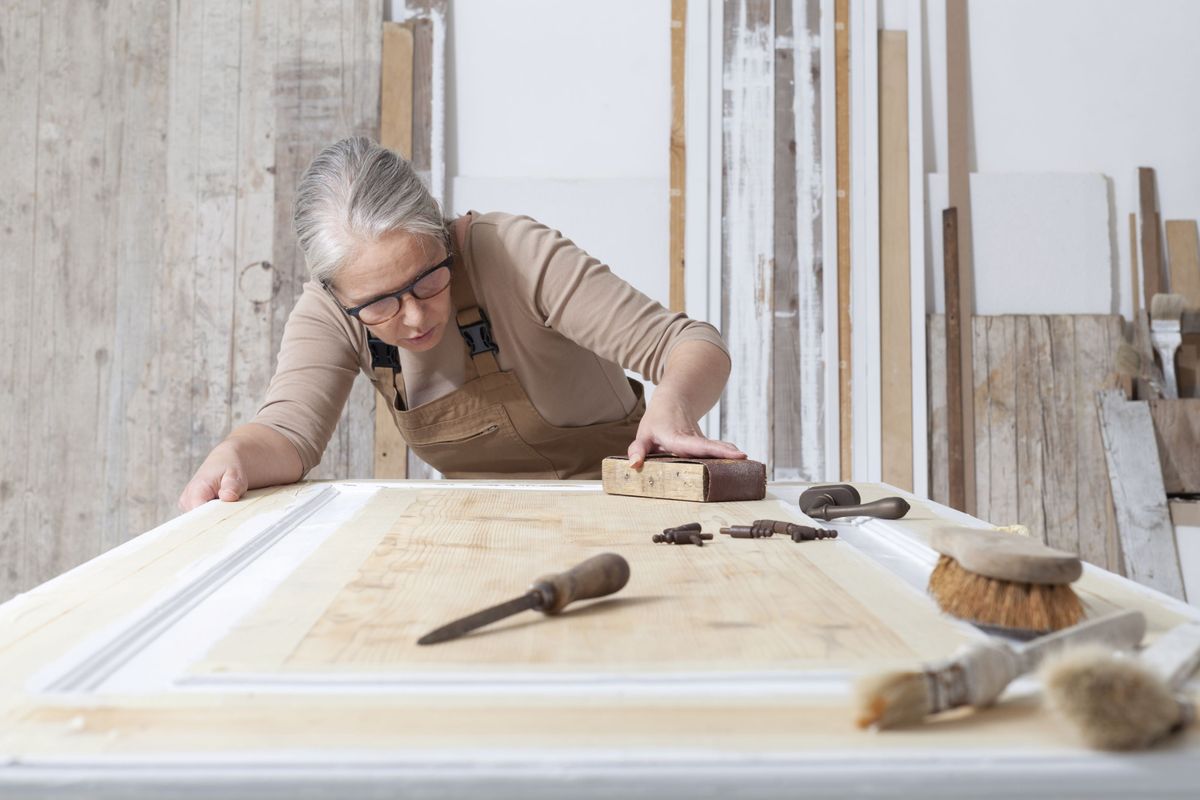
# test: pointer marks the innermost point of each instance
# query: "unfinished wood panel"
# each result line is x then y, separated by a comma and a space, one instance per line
842, 111
996, 371
433, 545
958, 170
1039, 459
20, 328
895, 311
747, 205
395, 133
1140, 501
152, 160
938, 442
1096, 342
1133, 263
787, 431
1183, 253
677, 156
1153, 279
1177, 431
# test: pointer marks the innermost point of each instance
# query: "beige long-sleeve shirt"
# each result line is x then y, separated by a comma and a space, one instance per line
564, 323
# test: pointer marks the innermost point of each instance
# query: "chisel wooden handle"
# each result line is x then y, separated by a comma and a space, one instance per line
596, 577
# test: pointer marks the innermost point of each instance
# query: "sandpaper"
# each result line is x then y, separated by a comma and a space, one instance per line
705, 480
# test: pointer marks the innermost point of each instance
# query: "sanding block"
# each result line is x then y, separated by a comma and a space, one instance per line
703, 480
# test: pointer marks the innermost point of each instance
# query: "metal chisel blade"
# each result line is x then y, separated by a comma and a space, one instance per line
457, 628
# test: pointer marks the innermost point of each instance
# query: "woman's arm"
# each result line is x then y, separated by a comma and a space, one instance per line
692, 382
251, 456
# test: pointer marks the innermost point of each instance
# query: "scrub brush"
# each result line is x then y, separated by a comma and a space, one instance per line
1118, 702
1004, 581
978, 673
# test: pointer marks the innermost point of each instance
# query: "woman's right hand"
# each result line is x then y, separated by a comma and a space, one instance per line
222, 475
251, 456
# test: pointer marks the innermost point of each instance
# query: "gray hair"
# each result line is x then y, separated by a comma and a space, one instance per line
356, 191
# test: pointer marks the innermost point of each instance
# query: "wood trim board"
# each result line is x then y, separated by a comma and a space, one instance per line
677, 157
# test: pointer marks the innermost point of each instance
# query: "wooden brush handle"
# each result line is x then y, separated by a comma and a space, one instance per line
1175, 655
598, 576
1121, 631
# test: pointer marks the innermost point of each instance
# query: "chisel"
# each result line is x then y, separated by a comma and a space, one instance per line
598, 576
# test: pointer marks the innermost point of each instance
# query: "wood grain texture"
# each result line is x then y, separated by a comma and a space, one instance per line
1183, 255
462, 551
895, 307
1039, 459
958, 172
1153, 279
843, 167
1177, 432
1140, 501
956, 444
395, 133
677, 157
748, 240
152, 155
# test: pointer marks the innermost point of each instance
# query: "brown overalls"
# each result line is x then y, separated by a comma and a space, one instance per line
488, 428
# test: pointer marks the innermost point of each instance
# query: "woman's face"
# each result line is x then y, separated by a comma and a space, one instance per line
388, 265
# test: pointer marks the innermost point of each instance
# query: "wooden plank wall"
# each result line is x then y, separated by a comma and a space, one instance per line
1039, 458
146, 247
772, 204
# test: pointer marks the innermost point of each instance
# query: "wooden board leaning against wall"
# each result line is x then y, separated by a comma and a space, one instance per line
1039, 458
163, 223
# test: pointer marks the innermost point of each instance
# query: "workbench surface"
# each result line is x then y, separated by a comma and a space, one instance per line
266, 648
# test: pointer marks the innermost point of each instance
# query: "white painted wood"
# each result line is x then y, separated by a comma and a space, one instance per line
864, 247
1140, 501
916, 241
748, 221
1041, 243
1185, 516
832, 386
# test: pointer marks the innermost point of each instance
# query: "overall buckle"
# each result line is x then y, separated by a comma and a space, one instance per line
478, 336
383, 355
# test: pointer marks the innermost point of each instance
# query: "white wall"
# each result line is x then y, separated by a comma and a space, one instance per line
1100, 86
560, 109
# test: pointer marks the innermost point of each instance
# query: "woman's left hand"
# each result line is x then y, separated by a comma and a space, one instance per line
668, 428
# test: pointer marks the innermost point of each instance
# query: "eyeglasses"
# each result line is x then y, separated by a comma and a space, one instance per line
429, 283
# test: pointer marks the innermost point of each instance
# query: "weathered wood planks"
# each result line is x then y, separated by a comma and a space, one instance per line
1143, 518
1177, 430
1038, 456
148, 253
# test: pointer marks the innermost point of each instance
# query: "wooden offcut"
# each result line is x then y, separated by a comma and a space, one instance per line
958, 170
1153, 280
895, 310
956, 440
1183, 254
700, 480
395, 133
1177, 431
841, 39
1139, 497
677, 156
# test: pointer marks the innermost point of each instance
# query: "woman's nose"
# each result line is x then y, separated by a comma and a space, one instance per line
412, 313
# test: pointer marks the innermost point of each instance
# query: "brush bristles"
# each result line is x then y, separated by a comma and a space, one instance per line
1005, 604
1114, 703
1167, 306
891, 699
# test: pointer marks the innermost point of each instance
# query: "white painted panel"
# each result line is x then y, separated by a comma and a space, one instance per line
551, 89
1042, 243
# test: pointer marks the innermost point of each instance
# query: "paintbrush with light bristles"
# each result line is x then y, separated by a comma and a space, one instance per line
1120, 702
978, 674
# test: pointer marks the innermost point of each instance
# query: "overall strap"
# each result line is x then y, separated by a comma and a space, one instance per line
472, 321
386, 356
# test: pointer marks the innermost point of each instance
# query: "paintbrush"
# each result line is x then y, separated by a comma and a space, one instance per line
1166, 311
1004, 581
1119, 702
978, 673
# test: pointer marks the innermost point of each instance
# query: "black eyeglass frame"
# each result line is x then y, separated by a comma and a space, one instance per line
354, 311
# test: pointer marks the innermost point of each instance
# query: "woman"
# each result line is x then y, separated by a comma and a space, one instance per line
498, 344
